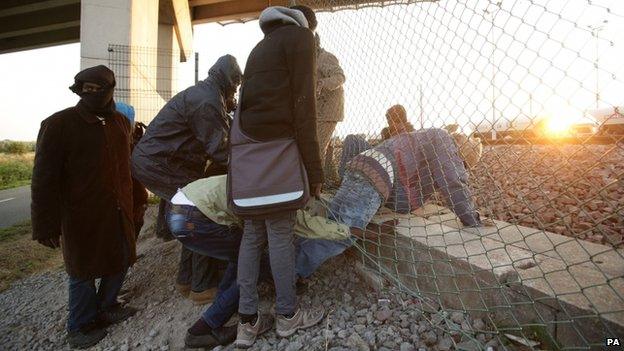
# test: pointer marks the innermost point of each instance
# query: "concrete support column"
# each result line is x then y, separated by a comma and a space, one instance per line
139, 40
168, 57
103, 22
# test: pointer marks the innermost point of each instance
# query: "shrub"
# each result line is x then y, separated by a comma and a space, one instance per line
14, 171
16, 147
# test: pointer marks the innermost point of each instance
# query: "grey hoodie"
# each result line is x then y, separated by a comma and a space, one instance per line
283, 15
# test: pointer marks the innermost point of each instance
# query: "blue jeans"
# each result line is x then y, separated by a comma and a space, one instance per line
85, 302
201, 235
312, 253
352, 146
198, 271
355, 203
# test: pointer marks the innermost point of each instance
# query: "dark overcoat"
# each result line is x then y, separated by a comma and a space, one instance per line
82, 191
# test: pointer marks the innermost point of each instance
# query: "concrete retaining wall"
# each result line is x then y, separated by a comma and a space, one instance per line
517, 277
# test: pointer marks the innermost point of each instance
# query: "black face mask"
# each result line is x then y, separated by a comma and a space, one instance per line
99, 102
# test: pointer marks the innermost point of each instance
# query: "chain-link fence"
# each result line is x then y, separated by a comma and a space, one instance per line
146, 77
521, 228
540, 83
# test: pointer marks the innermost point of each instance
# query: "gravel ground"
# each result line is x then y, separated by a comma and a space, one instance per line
359, 318
570, 190
574, 190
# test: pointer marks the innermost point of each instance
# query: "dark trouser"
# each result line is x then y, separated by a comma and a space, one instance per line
85, 302
212, 240
162, 229
196, 270
280, 233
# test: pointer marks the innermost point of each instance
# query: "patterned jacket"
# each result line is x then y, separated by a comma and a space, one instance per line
407, 169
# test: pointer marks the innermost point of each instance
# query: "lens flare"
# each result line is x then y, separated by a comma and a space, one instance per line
558, 126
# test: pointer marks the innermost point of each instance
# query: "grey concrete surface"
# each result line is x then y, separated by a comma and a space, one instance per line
516, 276
14, 206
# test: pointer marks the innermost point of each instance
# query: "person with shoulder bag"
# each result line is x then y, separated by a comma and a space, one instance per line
274, 155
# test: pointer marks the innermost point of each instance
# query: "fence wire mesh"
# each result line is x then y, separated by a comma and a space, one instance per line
539, 83
146, 77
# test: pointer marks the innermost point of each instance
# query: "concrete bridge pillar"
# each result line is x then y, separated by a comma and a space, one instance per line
142, 41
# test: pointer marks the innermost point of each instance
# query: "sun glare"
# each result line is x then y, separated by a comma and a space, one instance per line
558, 126
559, 118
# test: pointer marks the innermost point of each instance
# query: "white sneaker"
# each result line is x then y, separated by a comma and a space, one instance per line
303, 318
247, 332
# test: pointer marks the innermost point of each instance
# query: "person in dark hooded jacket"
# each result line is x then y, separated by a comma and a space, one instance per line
278, 101
188, 132
82, 197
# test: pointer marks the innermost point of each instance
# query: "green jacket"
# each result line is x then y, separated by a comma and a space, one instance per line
210, 197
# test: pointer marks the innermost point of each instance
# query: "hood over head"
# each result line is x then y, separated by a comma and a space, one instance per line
309, 15
99, 102
275, 15
126, 110
226, 73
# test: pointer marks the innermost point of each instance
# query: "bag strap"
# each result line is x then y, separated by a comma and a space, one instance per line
237, 124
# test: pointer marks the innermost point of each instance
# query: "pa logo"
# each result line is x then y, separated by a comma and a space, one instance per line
613, 342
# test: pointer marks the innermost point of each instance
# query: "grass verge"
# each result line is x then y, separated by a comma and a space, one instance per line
15, 184
153, 199
15, 170
20, 256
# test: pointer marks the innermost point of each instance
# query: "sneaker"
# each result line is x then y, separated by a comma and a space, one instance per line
85, 337
303, 318
204, 297
116, 314
183, 289
247, 333
215, 337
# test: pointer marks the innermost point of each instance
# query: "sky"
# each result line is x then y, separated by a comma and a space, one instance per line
469, 62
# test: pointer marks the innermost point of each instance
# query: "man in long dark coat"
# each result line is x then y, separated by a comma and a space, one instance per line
82, 202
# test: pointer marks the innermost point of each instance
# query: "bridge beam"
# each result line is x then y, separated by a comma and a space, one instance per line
30, 24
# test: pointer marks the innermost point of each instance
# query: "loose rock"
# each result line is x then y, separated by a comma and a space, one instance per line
383, 314
407, 347
357, 343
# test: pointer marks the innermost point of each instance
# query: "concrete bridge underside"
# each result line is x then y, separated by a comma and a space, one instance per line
161, 28
29, 24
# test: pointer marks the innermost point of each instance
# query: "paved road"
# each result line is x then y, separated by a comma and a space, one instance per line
14, 206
